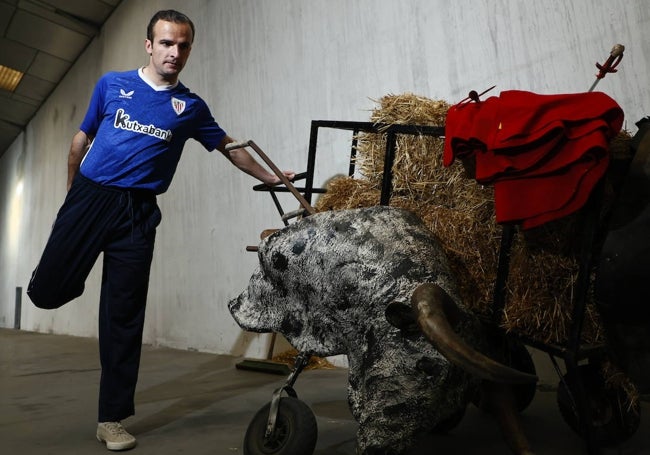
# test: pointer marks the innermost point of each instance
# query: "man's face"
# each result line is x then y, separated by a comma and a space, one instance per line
169, 49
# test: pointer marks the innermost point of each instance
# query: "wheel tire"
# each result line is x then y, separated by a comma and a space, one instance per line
295, 430
613, 420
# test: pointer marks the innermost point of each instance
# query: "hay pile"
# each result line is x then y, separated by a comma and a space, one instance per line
460, 212
541, 284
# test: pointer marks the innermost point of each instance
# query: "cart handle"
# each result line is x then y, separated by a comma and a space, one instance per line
274, 168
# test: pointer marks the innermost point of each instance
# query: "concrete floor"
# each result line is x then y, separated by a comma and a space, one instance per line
198, 403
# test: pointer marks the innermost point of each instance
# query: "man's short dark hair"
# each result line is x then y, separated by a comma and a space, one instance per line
168, 15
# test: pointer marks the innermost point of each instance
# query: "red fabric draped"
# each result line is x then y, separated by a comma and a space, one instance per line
543, 153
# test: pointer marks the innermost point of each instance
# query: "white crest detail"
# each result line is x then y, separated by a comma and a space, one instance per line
178, 105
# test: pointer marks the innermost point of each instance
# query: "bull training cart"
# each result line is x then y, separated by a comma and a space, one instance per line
600, 416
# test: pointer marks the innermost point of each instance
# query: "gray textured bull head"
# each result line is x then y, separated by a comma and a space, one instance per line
326, 282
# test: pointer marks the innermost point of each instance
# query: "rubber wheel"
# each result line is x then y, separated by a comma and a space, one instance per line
295, 430
612, 418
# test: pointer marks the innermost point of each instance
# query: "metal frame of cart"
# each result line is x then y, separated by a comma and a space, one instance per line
576, 400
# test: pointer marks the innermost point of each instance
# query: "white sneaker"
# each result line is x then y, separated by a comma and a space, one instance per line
115, 436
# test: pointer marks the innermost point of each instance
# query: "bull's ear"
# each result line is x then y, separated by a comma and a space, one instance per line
401, 316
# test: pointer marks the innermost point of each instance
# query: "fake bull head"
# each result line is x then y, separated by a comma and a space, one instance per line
326, 283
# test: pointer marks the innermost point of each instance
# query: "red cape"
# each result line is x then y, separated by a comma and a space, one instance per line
543, 153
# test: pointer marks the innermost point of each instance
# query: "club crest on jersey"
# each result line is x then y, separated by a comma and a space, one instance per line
178, 105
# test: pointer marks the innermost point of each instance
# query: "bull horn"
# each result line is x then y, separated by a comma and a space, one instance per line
433, 307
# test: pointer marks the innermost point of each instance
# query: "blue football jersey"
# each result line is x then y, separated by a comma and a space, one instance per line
140, 130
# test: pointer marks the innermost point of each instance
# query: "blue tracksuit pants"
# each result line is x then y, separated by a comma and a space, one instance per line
121, 224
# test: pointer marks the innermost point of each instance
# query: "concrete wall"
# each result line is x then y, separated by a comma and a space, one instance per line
267, 68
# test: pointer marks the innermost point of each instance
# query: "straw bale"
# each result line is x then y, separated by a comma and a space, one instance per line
540, 289
417, 172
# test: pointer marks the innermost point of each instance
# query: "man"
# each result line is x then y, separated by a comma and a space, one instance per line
126, 153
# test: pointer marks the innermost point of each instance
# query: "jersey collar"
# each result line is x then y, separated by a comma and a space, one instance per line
158, 88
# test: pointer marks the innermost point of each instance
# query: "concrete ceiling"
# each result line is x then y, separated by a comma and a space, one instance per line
42, 38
